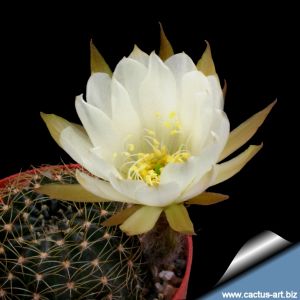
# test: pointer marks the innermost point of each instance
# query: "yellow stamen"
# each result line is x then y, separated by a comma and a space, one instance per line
150, 132
174, 132
158, 115
148, 166
131, 147
167, 124
178, 124
172, 115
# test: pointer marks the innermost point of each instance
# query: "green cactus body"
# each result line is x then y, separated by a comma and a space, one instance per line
50, 249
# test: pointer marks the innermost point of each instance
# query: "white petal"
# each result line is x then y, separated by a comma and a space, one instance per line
157, 92
216, 129
98, 92
74, 140
98, 126
130, 73
197, 187
101, 188
195, 170
140, 56
126, 187
201, 128
216, 91
195, 104
185, 173
124, 116
194, 82
77, 144
233, 166
56, 125
221, 129
160, 196
106, 165
180, 64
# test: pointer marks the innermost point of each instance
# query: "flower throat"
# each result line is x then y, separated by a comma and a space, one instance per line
148, 166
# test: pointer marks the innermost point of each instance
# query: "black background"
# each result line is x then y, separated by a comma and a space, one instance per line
46, 64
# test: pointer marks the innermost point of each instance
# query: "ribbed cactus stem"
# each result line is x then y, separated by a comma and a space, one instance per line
51, 249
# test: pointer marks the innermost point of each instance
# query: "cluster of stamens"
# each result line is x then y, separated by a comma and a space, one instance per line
147, 166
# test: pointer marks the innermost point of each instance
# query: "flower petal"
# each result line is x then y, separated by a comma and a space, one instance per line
207, 198
160, 196
187, 174
142, 220
206, 64
124, 116
179, 219
98, 126
68, 192
198, 186
101, 188
130, 73
98, 64
180, 64
140, 56
233, 166
166, 49
157, 92
98, 92
77, 144
217, 134
217, 96
194, 105
242, 134
56, 125
74, 140
184, 174
121, 216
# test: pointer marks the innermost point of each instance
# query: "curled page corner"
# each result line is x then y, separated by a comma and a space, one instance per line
255, 250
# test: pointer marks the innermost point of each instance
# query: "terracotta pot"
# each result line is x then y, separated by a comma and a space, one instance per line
182, 290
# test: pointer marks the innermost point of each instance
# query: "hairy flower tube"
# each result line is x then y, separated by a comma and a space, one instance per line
154, 134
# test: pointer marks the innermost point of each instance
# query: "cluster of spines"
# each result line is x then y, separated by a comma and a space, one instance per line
58, 250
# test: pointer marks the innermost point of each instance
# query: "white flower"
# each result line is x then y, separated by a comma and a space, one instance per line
153, 134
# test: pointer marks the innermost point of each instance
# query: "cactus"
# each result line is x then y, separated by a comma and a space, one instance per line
51, 249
